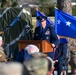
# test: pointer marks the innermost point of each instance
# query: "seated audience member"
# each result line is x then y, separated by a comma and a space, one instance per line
38, 64
26, 53
31, 49
11, 68
61, 55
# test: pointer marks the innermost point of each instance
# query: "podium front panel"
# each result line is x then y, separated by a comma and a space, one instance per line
43, 45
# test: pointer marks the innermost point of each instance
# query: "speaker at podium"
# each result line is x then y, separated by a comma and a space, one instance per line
43, 45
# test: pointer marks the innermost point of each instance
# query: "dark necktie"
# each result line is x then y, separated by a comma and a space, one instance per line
42, 30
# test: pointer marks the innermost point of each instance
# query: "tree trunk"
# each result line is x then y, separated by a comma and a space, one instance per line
65, 5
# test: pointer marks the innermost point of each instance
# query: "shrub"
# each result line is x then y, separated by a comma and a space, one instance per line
74, 10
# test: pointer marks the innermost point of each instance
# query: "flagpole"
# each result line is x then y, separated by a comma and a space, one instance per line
55, 20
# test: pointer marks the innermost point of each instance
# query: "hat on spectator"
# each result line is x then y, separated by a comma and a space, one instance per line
41, 18
37, 66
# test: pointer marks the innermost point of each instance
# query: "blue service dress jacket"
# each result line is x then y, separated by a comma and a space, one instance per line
49, 34
61, 56
61, 53
22, 56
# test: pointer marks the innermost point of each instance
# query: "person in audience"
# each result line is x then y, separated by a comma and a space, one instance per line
46, 32
31, 49
39, 64
26, 53
11, 68
61, 55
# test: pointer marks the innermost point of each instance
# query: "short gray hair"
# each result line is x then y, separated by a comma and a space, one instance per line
31, 48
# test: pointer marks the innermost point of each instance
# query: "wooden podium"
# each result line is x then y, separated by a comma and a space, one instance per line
43, 45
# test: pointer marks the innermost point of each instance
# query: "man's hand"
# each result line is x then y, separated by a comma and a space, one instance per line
53, 45
55, 61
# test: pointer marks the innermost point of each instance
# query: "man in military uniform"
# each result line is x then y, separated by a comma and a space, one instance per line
46, 32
